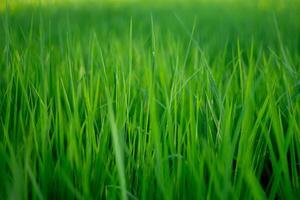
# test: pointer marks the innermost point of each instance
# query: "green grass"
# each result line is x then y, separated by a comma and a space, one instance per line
195, 101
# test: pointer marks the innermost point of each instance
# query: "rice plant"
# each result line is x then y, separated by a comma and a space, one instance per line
174, 100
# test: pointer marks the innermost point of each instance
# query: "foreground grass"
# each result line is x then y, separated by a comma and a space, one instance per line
141, 103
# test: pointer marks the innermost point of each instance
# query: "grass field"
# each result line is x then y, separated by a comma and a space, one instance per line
150, 101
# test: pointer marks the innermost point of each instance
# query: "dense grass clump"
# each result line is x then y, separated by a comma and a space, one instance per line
184, 102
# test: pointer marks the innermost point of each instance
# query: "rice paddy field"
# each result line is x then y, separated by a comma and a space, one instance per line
150, 100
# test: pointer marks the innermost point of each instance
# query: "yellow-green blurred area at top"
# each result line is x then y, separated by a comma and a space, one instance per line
219, 21
260, 4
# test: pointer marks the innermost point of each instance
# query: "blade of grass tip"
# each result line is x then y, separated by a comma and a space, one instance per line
184, 84
185, 28
130, 69
283, 52
196, 43
204, 59
66, 98
117, 146
7, 33
153, 44
241, 71
190, 42
103, 65
130, 45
